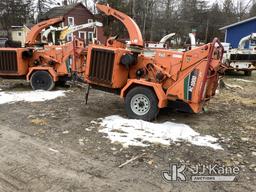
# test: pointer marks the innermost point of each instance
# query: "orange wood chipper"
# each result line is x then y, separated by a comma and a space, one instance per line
43, 64
149, 83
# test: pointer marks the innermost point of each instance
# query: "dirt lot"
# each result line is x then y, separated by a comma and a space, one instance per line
53, 146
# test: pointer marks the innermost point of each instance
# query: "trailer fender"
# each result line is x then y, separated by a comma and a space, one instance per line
162, 98
49, 69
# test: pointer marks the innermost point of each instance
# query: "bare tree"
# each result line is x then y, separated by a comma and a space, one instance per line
72, 1
158, 18
42, 6
253, 9
14, 12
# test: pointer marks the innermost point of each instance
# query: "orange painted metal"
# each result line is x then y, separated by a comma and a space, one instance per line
43, 68
7, 61
120, 73
190, 76
162, 98
36, 30
176, 67
133, 29
62, 59
58, 60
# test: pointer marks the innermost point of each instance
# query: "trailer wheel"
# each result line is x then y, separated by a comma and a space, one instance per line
141, 103
248, 73
42, 80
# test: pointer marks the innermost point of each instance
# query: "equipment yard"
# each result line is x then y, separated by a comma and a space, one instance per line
58, 145
91, 100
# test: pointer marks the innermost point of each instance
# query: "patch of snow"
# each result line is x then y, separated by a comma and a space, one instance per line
29, 96
54, 150
94, 122
81, 142
244, 80
130, 132
65, 132
234, 86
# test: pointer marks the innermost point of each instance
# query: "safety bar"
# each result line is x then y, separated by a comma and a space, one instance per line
209, 60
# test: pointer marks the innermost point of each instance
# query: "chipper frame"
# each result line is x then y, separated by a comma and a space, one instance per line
42, 64
150, 83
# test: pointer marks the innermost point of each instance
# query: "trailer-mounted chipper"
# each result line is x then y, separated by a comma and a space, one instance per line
42, 64
149, 83
242, 58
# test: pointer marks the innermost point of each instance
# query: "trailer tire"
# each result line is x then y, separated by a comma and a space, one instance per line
42, 80
141, 103
248, 73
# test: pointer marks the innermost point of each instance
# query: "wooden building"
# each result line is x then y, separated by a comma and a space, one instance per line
77, 14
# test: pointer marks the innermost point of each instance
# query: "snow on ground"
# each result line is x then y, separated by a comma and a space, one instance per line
29, 96
244, 80
130, 132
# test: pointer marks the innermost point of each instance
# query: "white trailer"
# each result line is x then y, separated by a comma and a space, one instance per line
241, 59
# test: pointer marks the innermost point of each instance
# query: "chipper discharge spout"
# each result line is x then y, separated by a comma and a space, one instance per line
37, 29
133, 29
149, 83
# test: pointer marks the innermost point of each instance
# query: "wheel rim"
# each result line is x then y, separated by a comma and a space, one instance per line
140, 104
40, 83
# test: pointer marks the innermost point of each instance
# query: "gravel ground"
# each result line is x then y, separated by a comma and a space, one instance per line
53, 146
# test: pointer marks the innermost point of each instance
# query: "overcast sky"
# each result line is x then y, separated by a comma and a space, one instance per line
234, 1
245, 2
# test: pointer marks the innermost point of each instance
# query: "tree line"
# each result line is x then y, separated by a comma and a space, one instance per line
159, 18
155, 18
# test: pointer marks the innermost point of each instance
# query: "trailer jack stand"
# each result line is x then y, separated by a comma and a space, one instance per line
87, 94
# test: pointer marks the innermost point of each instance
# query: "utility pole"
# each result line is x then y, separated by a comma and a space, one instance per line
39, 9
85, 3
145, 18
206, 31
242, 9
152, 24
133, 9
94, 6
238, 9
